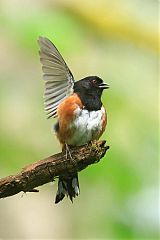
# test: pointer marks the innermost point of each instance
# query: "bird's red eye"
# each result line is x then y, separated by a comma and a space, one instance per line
94, 81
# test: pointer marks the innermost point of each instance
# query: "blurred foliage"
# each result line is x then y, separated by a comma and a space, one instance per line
118, 41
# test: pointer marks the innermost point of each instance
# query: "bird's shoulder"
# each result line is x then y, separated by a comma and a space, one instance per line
67, 108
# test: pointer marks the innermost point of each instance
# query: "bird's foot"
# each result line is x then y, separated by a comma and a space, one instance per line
68, 153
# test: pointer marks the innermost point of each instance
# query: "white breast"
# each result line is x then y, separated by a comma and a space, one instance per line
86, 126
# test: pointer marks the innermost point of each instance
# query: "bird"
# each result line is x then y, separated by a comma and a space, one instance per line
81, 116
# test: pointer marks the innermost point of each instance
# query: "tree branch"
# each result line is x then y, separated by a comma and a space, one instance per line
46, 170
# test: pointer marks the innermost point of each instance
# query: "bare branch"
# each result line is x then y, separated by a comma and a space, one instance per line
46, 170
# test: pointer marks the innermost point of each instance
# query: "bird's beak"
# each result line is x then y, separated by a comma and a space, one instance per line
103, 85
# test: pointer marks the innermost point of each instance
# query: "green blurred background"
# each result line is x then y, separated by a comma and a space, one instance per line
118, 41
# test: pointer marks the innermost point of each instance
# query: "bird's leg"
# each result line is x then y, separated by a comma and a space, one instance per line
69, 153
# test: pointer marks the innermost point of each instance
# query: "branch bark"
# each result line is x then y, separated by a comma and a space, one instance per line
46, 170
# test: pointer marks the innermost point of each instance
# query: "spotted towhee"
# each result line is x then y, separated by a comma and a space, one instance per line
81, 117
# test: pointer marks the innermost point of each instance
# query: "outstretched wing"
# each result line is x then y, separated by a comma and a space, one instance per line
58, 78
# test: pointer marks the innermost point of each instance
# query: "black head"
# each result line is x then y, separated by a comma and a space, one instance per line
90, 90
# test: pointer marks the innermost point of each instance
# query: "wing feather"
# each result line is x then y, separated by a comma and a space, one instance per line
54, 89
55, 94
49, 70
54, 78
58, 78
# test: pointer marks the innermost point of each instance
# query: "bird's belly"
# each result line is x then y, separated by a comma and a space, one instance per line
86, 126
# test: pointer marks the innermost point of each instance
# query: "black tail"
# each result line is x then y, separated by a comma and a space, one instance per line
67, 186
